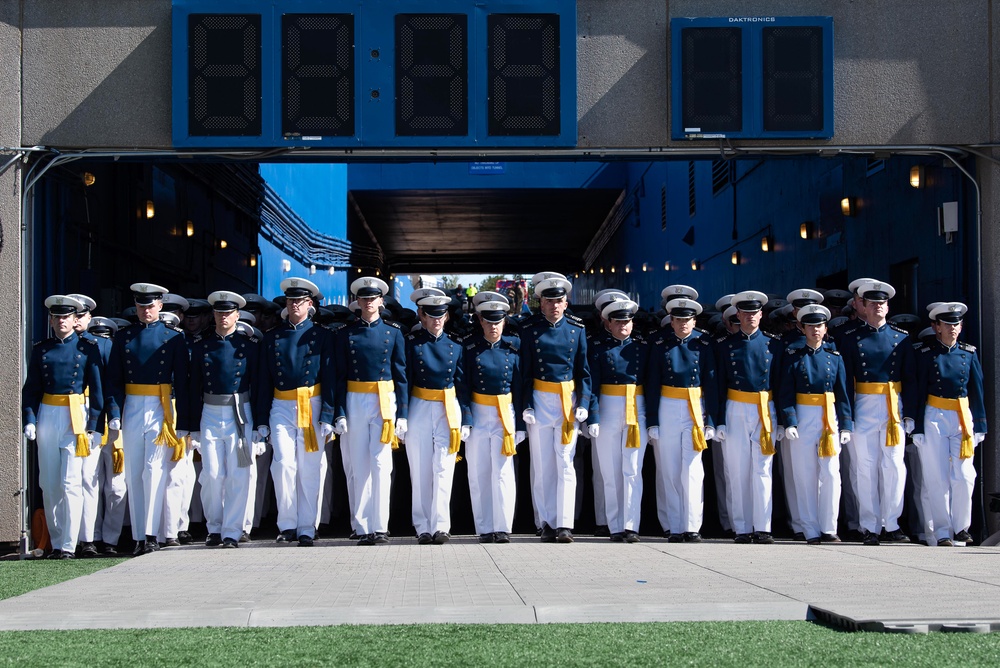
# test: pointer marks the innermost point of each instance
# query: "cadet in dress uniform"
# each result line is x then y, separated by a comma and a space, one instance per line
149, 363
817, 417
91, 464
492, 393
371, 407
58, 417
295, 398
437, 423
224, 365
617, 417
748, 365
556, 378
681, 401
111, 469
880, 366
950, 423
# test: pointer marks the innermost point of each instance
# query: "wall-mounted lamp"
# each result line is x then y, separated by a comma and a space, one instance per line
666, 266
847, 206
88, 179
286, 266
602, 270
766, 243
378, 272
222, 243
736, 257
807, 230
628, 269
695, 265
592, 270
359, 270
189, 228
331, 271
612, 269
312, 269
917, 176
150, 208
253, 259
645, 267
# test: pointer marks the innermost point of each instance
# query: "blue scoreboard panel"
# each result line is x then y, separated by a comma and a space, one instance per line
374, 73
752, 77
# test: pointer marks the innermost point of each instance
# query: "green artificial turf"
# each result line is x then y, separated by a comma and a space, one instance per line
20, 577
738, 644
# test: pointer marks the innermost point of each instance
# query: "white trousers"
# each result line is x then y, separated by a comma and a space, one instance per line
748, 472
257, 500
680, 473
298, 475
370, 462
492, 487
621, 467
600, 511
432, 469
153, 484
225, 485
948, 479
879, 472
111, 517
817, 479
91, 488
60, 474
788, 474
553, 477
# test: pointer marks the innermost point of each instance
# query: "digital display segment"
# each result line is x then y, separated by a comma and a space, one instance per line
523, 74
712, 66
224, 75
793, 78
432, 74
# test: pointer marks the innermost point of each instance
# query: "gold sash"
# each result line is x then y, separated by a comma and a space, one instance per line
384, 390
891, 392
565, 391
502, 403
452, 412
761, 399
827, 448
961, 405
630, 391
301, 396
76, 418
693, 397
168, 432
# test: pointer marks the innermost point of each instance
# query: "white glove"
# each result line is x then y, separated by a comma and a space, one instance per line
114, 424
195, 440
908, 425
594, 430
466, 431
340, 426
654, 433
720, 433
845, 437
709, 433
792, 433
919, 440
94, 438
264, 431
528, 415
259, 448
325, 429
519, 436
581, 414
401, 429
181, 433
29, 432
979, 437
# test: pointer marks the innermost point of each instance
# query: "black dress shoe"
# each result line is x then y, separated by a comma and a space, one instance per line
896, 536
829, 538
381, 538
964, 537
88, 550
425, 539
692, 537
306, 541
675, 538
245, 538
945, 542
55, 554
618, 537
367, 539
286, 536
172, 542
602, 531
139, 549
184, 538
108, 550
564, 535
441, 537
548, 534
501, 537
151, 545
763, 538
799, 536
231, 543
742, 538
487, 538
354, 536
631, 537
870, 538
813, 541
213, 540
66, 555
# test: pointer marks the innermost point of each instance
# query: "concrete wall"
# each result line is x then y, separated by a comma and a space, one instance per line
10, 275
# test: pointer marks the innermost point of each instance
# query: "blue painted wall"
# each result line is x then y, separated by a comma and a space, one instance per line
318, 194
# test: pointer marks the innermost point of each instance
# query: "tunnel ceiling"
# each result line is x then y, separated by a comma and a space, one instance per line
484, 231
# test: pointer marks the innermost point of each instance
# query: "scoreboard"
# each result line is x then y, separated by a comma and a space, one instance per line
374, 73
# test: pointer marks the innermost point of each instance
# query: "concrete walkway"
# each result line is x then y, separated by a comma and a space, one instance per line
903, 587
